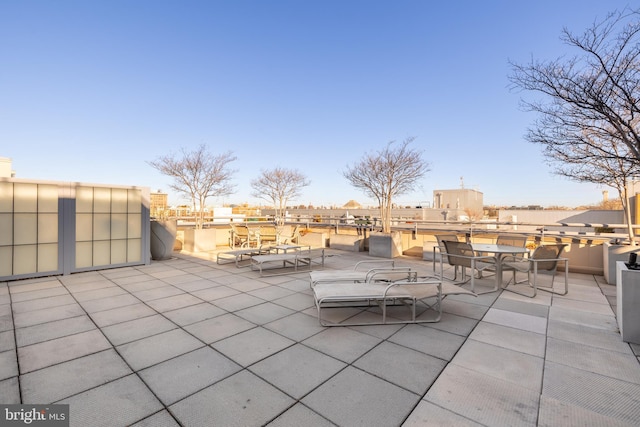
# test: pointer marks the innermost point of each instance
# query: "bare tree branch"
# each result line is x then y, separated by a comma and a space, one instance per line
387, 173
589, 115
279, 186
198, 174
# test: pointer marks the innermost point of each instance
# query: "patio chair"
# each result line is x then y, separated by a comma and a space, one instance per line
512, 240
268, 234
544, 260
508, 240
440, 249
292, 238
238, 235
460, 254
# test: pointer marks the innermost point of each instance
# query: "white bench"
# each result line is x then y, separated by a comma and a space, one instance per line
304, 257
238, 255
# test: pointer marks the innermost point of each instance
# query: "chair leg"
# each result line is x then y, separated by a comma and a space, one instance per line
473, 270
455, 270
566, 282
533, 285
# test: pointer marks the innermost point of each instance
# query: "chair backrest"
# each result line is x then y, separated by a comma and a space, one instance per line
448, 237
268, 233
459, 253
441, 238
550, 252
295, 234
512, 240
242, 230
239, 230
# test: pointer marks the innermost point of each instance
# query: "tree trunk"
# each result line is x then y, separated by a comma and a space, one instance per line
627, 214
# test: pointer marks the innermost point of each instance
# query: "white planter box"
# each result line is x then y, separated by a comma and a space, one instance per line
202, 240
611, 254
315, 240
346, 242
385, 245
628, 302
427, 251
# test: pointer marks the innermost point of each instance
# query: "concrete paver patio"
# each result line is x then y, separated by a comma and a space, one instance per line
189, 342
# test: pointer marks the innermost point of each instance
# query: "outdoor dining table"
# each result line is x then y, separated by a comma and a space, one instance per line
499, 252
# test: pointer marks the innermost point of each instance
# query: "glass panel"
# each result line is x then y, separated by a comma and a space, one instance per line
84, 254
6, 261
102, 253
25, 228
84, 227
6, 197
101, 226
25, 197
134, 250
119, 226
47, 257
119, 200
135, 226
118, 251
48, 228
84, 199
47, 198
6, 229
25, 259
135, 201
101, 200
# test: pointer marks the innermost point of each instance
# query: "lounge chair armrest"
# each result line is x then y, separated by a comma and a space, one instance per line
375, 262
407, 285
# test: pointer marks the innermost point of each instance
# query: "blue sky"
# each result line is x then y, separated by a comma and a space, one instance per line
91, 91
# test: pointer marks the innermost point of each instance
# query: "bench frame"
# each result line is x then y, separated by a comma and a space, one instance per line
305, 257
238, 255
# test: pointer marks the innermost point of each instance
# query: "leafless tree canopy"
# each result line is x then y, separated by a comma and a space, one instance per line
387, 173
589, 114
279, 186
596, 90
198, 174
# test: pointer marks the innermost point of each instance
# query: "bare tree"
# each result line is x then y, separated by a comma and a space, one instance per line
387, 173
589, 112
279, 186
198, 174
589, 162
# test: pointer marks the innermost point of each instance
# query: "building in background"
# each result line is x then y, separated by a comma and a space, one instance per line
459, 199
5, 168
158, 205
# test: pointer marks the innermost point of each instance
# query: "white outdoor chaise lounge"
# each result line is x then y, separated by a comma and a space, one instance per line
358, 273
383, 294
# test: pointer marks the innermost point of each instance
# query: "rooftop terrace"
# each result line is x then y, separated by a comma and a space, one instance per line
189, 342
